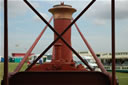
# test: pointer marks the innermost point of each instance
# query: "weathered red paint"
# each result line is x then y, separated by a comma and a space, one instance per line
57, 67
57, 47
60, 25
62, 59
20, 54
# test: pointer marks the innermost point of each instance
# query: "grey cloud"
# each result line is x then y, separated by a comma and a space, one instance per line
36, 18
102, 10
17, 7
122, 10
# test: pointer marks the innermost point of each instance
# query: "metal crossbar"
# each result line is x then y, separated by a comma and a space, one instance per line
60, 36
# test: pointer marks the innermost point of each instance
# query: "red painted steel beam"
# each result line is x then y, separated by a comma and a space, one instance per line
5, 42
20, 54
100, 65
31, 48
113, 41
59, 35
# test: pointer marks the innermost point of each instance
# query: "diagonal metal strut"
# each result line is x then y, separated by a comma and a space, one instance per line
31, 48
59, 36
100, 65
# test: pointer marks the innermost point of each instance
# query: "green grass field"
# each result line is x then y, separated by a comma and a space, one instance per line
11, 68
123, 77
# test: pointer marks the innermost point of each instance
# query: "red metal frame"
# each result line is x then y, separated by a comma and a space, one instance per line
60, 78
20, 54
59, 36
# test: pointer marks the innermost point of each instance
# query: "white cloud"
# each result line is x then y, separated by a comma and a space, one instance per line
1, 3
17, 7
102, 10
43, 14
121, 39
121, 10
122, 33
99, 22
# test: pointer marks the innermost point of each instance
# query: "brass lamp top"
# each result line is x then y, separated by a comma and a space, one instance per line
62, 11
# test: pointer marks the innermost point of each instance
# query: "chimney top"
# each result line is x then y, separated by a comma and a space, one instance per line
61, 3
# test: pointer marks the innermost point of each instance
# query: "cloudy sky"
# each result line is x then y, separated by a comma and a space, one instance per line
95, 24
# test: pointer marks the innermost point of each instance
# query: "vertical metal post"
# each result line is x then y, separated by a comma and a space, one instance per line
113, 41
5, 42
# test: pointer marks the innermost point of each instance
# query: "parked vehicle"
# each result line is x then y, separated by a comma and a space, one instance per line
89, 60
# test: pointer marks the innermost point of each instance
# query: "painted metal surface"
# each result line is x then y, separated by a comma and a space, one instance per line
63, 59
59, 36
60, 78
113, 41
62, 18
20, 54
62, 11
57, 56
60, 25
5, 42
